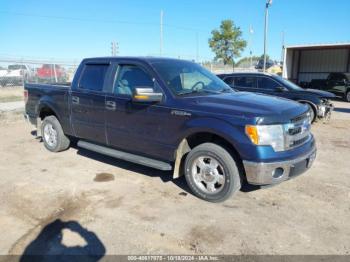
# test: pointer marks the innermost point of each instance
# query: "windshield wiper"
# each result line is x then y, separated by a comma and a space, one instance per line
198, 91
226, 90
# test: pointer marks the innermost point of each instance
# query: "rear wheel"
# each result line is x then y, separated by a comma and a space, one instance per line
53, 136
347, 96
212, 173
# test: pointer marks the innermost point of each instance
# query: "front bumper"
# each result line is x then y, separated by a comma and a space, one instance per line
325, 110
260, 173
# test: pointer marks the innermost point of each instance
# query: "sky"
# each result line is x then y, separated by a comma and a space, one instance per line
73, 29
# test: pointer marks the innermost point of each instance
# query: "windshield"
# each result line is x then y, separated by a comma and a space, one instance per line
184, 78
289, 84
15, 67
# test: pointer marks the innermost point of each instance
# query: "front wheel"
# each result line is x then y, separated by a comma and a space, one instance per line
53, 136
212, 173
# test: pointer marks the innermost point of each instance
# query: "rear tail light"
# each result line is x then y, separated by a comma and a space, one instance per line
25, 94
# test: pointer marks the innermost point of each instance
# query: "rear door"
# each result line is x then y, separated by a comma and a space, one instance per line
243, 83
88, 103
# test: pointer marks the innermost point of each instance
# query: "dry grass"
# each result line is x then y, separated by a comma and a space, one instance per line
11, 94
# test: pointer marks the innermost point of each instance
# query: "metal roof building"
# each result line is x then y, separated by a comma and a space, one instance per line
302, 63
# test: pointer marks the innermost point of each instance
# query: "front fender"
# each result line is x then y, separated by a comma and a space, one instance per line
233, 134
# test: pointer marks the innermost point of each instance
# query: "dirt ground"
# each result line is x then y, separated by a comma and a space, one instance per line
11, 94
113, 207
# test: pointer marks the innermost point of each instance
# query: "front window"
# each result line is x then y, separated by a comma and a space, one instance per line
268, 84
184, 78
131, 77
288, 84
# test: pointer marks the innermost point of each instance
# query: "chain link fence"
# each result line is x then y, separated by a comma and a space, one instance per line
16, 72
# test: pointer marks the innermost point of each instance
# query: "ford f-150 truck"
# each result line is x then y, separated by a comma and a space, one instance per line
175, 115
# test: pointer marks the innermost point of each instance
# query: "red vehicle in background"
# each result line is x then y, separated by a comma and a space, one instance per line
51, 73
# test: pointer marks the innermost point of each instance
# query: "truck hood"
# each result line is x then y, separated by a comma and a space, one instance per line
260, 108
320, 93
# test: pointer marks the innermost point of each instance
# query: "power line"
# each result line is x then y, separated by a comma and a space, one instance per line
186, 28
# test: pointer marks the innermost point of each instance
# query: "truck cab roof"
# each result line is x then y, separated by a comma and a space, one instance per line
147, 59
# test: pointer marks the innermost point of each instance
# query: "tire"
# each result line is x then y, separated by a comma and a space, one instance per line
53, 136
347, 96
200, 177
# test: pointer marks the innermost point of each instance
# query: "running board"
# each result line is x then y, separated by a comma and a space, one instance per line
125, 156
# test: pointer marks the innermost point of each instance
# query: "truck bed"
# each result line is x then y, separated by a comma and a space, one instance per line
54, 95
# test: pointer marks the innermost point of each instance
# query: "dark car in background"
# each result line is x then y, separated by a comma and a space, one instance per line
317, 100
336, 83
260, 64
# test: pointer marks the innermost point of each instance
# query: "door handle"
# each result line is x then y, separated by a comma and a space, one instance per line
75, 100
111, 105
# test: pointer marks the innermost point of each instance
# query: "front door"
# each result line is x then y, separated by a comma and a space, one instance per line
134, 126
269, 86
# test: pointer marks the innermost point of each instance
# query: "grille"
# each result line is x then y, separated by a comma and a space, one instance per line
300, 118
298, 131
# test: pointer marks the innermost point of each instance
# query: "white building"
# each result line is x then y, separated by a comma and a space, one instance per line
302, 63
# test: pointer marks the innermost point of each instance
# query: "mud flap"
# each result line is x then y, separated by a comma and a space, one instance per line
38, 127
183, 149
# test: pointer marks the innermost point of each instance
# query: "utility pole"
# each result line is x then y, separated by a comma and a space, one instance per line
282, 52
251, 32
268, 3
161, 33
114, 48
197, 47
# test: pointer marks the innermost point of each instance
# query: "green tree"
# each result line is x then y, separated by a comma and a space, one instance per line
267, 57
227, 42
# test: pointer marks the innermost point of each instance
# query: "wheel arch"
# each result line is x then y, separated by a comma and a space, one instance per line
198, 137
312, 104
46, 109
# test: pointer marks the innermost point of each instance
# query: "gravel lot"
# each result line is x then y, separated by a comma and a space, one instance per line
122, 208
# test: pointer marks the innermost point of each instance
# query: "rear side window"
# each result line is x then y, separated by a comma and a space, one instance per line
267, 83
230, 81
249, 82
131, 77
93, 77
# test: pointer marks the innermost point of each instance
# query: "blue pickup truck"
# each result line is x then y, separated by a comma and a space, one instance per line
175, 115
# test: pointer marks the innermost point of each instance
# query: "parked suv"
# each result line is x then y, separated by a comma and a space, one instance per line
175, 115
270, 84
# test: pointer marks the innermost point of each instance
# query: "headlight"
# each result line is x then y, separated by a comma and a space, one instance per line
321, 110
268, 135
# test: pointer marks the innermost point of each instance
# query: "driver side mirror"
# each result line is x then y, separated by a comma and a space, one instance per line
146, 94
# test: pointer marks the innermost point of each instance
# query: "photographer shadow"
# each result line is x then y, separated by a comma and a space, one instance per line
48, 245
